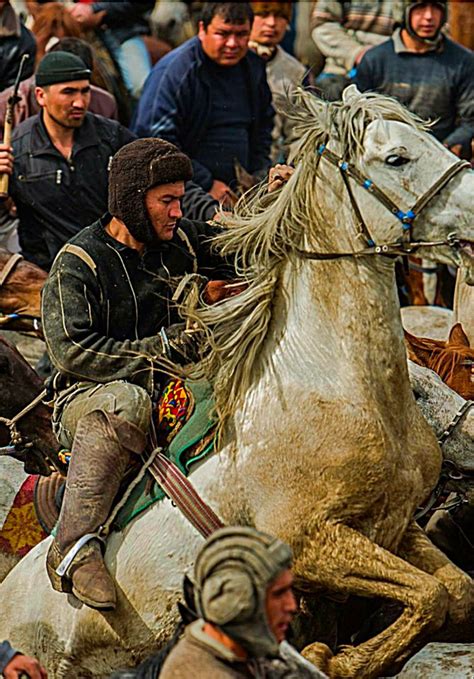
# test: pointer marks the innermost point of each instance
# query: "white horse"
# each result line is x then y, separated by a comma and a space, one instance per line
325, 446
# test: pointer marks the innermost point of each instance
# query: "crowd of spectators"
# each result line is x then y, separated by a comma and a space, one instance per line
213, 95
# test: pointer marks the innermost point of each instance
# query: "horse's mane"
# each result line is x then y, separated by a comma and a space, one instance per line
265, 231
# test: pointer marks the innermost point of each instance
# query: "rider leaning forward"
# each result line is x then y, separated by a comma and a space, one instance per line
106, 300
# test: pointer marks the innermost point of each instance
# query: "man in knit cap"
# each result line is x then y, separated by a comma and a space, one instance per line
59, 159
243, 594
108, 321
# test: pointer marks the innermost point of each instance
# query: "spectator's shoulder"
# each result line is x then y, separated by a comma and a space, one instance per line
255, 62
25, 128
458, 52
178, 62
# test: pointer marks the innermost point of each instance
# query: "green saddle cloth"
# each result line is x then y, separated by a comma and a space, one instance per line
199, 424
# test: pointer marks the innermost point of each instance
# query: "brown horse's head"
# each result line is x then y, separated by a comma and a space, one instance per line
52, 20
453, 360
20, 293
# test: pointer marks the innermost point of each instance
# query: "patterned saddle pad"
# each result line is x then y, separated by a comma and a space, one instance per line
185, 429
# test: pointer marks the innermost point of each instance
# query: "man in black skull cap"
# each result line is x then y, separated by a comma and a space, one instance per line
108, 320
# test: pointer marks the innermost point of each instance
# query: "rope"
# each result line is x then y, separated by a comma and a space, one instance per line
16, 437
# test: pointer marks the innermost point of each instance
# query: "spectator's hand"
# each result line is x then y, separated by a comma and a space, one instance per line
361, 54
183, 343
85, 15
278, 176
6, 159
220, 191
23, 664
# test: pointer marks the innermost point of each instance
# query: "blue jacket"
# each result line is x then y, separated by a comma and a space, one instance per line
6, 654
176, 100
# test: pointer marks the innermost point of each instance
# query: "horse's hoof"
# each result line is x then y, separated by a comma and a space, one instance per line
318, 654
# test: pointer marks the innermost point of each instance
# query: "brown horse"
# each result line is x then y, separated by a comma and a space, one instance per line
21, 283
452, 360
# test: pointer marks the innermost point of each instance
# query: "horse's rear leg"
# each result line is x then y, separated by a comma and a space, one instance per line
417, 549
340, 559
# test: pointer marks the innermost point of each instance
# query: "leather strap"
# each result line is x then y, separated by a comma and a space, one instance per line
183, 494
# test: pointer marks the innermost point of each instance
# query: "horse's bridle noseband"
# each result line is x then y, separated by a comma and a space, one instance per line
406, 245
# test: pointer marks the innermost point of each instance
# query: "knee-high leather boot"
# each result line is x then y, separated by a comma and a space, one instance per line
99, 458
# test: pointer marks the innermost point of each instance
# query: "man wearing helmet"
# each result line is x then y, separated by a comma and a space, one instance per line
108, 321
429, 73
243, 594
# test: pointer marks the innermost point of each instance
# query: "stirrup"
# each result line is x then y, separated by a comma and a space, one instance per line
61, 570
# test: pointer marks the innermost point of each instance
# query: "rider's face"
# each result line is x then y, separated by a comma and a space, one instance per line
280, 604
163, 203
426, 19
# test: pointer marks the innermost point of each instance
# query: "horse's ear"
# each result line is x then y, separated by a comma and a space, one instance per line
351, 94
417, 351
458, 336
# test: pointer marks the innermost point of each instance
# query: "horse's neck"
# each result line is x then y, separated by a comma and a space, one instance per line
341, 330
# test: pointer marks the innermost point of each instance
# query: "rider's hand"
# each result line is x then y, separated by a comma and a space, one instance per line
6, 159
279, 175
23, 664
183, 343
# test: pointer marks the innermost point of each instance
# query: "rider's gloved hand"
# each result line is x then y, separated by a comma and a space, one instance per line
184, 344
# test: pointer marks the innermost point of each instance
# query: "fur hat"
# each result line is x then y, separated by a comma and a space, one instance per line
137, 167
285, 9
61, 67
232, 573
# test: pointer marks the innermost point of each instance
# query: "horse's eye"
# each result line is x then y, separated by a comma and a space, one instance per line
396, 161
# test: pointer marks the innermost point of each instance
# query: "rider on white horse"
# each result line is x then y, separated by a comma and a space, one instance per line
107, 317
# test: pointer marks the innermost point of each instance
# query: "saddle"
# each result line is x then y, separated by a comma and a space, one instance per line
185, 431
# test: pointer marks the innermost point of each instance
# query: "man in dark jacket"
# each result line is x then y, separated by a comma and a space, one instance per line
109, 321
211, 98
429, 73
123, 25
60, 159
15, 41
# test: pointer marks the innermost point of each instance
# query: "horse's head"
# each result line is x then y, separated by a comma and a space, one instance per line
452, 360
382, 179
416, 173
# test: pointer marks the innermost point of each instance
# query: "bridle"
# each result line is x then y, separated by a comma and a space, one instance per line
406, 245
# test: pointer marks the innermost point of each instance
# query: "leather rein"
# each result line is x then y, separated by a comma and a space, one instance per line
405, 245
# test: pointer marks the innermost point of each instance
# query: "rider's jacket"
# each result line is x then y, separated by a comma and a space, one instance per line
104, 304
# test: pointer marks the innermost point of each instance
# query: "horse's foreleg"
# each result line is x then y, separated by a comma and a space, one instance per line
340, 559
417, 549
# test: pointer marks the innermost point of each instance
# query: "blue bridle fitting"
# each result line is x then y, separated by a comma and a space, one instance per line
368, 183
371, 243
321, 149
406, 218
343, 165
